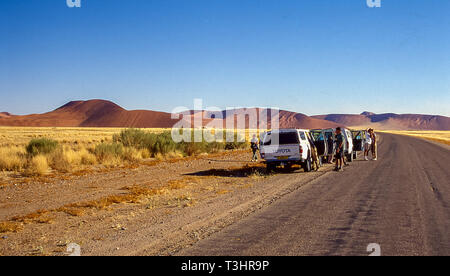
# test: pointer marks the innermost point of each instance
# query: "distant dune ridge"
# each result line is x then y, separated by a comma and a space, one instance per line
390, 121
5, 115
101, 113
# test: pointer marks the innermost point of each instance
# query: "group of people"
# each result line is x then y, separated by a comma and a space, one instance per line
370, 146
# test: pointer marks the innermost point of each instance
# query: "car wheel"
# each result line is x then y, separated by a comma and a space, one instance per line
350, 157
307, 165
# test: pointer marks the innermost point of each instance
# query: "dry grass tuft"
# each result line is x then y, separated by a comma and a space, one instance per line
132, 155
135, 195
75, 212
222, 192
38, 166
177, 184
175, 155
6, 227
32, 217
12, 159
58, 161
45, 220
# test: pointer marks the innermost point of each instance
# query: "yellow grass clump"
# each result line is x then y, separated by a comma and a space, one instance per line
175, 154
39, 165
12, 159
58, 161
6, 227
79, 157
132, 154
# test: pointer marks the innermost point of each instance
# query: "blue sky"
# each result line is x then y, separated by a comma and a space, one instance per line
310, 56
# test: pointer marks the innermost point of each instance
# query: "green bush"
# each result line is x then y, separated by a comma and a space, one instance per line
41, 146
135, 138
235, 145
162, 143
105, 151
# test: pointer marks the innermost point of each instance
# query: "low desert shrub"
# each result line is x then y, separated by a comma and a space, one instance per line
135, 138
159, 145
105, 152
41, 146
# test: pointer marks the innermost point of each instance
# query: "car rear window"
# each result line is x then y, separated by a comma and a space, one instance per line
285, 138
317, 135
356, 135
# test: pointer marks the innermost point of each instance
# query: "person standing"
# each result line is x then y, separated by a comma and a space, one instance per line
254, 146
374, 149
314, 154
339, 149
330, 147
367, 144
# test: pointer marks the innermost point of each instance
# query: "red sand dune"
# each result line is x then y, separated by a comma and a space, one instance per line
100, 113
4, 115
391, 121
94, 113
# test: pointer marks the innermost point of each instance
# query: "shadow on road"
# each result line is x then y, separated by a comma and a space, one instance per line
245, 171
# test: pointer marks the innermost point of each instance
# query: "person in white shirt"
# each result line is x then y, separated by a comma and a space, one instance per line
367, 145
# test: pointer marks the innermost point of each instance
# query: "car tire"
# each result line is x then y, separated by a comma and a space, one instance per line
350, 157
307, 166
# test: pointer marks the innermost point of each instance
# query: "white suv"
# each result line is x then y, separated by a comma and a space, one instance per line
286, 147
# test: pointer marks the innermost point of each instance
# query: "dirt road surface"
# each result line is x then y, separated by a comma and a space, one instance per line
223, 205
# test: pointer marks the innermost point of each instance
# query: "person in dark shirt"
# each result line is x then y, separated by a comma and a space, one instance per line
254, 146
330, 148
339, 149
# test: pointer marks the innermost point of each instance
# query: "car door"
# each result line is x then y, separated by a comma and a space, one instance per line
329, 138
358, 139
318, 137
304, 143
349, 143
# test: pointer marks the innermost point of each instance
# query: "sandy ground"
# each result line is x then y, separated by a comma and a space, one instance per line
188, 201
